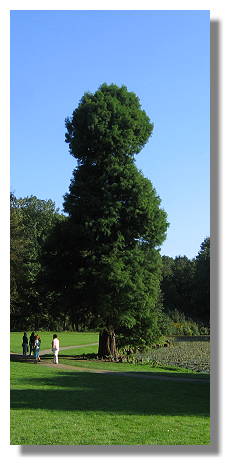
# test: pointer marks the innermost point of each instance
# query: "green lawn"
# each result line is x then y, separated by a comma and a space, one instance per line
52, 406
67, 338
80, 350
63, 407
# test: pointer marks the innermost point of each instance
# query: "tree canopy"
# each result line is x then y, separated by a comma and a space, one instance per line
31, 220
120, 223
106, 123
202, 282
185, 284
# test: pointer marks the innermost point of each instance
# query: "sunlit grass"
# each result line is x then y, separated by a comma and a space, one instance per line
67, 338
56, 407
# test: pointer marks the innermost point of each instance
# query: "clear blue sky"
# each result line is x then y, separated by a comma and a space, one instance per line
162, 56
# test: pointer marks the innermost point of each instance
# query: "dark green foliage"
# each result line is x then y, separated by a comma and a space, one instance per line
201, 295
181, 325
177, 283
108, 123
115, 213
31, 221
65, 278
186, 288
114, 203
128, 294
18, 252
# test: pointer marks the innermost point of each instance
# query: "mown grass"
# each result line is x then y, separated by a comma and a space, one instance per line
62, 407
67, 338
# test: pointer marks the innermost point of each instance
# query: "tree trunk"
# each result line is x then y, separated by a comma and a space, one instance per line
107, 344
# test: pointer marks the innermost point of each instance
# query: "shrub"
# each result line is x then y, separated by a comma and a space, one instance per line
204, 330
181, 325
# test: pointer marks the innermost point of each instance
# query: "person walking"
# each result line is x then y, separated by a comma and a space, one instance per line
31, 343
36, 349
55, 345
25, 343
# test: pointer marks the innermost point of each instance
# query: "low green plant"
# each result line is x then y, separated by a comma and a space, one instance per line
190, 355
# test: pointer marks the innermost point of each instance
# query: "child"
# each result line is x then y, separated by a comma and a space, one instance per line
55, 348
37, 349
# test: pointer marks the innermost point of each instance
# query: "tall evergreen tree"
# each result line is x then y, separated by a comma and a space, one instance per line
117, 213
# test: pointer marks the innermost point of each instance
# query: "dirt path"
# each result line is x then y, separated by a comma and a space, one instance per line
141, 375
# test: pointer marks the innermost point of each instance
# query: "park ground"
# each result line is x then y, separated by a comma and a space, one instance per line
123, 404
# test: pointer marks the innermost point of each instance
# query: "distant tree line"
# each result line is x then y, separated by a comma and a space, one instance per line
31, 222
185, 286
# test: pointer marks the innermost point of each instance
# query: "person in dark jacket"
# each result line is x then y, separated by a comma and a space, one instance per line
31, 342
25, 343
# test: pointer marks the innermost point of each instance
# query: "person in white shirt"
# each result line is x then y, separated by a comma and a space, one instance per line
55, 348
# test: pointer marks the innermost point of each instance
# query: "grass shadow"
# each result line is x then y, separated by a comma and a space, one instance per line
70, 391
